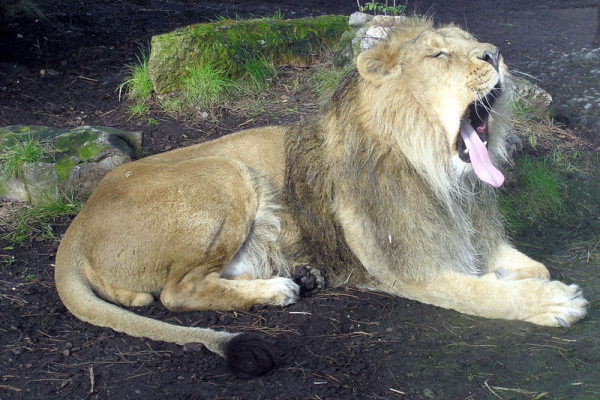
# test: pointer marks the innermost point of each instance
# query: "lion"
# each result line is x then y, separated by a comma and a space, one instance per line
391, 188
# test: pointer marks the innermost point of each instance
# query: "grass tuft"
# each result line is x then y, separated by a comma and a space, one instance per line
138, 109
25, 150
138, 87
31, 221
257, 72
207, 85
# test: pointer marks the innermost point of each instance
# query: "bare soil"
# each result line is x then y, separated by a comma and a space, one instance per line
63, 71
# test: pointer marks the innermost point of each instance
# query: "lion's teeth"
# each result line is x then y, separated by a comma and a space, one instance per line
466, 151
485, 143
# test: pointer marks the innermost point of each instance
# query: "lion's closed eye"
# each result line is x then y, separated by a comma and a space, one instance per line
439, 54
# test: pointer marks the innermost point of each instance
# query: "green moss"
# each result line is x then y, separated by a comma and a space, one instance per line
231, 45
73, 140
64, 166
90, 150
80, 143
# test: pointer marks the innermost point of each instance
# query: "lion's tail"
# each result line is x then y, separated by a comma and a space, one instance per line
246, 355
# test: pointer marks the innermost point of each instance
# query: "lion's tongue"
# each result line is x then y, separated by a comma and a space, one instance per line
480, 159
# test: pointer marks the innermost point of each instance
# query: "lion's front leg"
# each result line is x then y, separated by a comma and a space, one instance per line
510, 264
539, 301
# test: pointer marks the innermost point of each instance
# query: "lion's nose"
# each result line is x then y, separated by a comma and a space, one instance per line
492, 57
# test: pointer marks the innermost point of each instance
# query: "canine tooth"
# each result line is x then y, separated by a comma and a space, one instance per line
485, 143
466, 151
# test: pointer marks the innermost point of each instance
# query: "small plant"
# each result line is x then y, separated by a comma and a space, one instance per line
138, 87
257, 72
138, 109
206, 85
36, 220
382, 9
26, 149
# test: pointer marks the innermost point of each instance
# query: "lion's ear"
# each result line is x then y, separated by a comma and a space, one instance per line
377, 62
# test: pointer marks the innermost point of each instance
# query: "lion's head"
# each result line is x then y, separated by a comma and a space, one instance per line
441, 96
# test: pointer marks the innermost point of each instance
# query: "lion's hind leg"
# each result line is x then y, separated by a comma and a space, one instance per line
124, 297
200, 291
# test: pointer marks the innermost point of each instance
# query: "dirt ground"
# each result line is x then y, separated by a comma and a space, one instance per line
336, 344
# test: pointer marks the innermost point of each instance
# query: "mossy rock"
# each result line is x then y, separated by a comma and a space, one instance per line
232, 44
73, 161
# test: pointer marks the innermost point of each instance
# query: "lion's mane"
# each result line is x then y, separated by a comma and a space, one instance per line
380, 147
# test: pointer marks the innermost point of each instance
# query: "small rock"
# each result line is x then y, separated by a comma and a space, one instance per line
359, 19
429, 393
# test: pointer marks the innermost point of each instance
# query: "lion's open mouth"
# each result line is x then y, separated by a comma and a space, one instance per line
473, 138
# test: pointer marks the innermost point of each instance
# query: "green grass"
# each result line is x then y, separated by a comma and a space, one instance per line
539, 194
138, 109
137, 87
257, 72
207, 85
37, 220
326, 80
25, 150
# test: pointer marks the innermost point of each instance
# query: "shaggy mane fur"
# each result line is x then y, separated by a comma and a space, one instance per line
382, 146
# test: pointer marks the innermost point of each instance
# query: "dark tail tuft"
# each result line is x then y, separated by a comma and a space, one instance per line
249, 355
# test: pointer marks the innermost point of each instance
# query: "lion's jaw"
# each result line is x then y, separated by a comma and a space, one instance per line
472, 139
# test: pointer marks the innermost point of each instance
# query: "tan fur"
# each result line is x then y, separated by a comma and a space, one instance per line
372, 192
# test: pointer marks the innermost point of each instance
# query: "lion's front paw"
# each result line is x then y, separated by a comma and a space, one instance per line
558, 305
281, 291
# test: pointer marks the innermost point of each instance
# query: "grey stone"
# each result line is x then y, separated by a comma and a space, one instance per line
74, 162
367, 30
535, 99
359, 19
